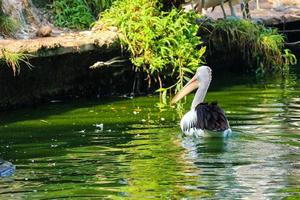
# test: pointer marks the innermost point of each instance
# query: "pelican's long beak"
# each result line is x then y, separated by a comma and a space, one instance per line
188, 88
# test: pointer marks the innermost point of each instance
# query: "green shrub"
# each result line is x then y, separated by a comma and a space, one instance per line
262, 48
73, 14
78, 14
160, 43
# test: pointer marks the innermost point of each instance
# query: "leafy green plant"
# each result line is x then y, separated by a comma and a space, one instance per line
72, 14
14, 59
262, 48
162, 44
78, 14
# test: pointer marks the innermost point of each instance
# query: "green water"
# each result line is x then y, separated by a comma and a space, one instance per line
60, 152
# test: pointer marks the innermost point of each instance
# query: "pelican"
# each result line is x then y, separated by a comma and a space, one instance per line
203, 119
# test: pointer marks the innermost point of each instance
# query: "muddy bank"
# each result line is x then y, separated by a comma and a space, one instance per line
65, 43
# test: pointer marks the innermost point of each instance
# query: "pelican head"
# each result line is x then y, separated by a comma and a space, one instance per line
201, 79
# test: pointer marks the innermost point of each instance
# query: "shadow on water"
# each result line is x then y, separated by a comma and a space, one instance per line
128, 149
54, 107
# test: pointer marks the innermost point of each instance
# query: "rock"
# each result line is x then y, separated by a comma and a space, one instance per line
44, 31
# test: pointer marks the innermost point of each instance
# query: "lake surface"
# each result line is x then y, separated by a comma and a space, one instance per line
61, 150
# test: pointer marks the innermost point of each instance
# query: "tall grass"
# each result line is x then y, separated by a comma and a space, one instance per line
13, 60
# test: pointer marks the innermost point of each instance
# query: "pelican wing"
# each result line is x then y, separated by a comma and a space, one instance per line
211, 117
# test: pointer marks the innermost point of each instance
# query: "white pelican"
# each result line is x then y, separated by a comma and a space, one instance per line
202, 118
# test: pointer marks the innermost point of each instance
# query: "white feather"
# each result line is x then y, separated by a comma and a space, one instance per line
188, 119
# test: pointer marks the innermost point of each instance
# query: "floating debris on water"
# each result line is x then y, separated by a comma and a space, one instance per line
123, 181
44, 121
99, 126
127, 96
6, 168
52, 164
55, 101
137, 110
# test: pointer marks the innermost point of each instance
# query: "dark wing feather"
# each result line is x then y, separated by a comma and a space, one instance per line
211, 117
